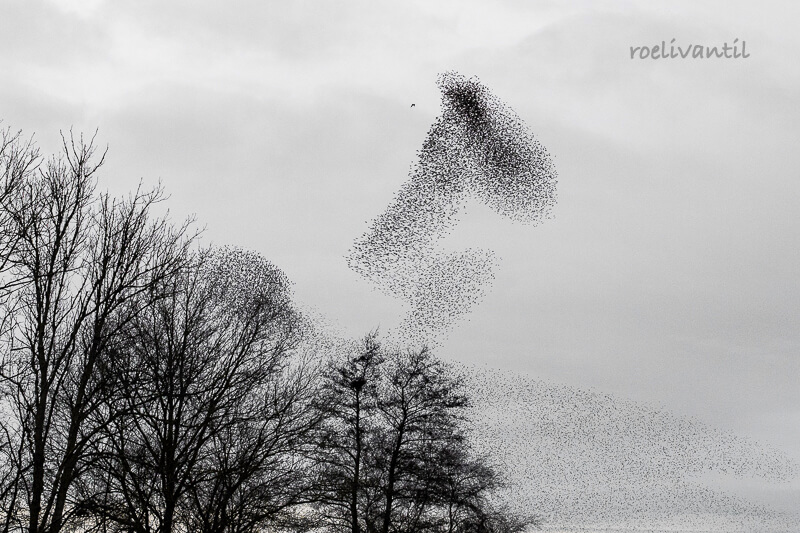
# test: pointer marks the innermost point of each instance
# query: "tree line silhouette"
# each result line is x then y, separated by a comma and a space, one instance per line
148, 384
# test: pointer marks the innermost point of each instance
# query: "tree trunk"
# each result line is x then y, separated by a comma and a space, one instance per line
356, 528
37, 484
387, 516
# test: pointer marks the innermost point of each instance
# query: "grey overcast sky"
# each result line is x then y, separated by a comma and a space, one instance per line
669, 274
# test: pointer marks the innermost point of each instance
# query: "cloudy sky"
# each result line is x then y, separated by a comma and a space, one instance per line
669, 274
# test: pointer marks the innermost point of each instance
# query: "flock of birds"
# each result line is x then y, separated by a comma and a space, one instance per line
590, 461
477, 149
584, 461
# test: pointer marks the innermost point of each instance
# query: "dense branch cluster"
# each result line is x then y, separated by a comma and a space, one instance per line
150, 385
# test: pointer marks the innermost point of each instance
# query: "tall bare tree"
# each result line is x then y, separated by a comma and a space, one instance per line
396, 452
257, 472
213, 413
18, 160
348, 404
84, 265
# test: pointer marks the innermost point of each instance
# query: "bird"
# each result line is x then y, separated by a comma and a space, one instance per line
412, 105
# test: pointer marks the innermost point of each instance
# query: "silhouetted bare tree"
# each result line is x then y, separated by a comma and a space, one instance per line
212, 418
348, 404
395, 450
257, 470
78, 261
17, 161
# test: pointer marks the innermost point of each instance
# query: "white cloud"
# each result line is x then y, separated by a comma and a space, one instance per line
81, 8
